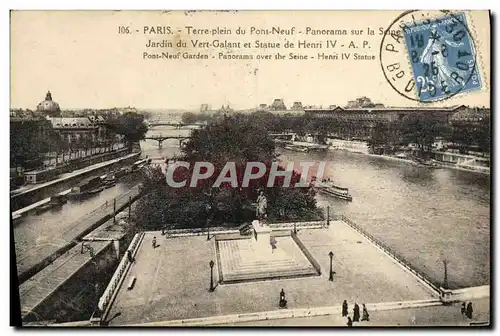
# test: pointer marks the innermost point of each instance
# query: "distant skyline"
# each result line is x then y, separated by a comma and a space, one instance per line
80, 57
197, 108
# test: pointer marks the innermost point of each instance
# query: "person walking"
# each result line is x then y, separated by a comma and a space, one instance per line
154, 242
349, 321
469, 310
462, 310
366, 316
344, 308
355, 316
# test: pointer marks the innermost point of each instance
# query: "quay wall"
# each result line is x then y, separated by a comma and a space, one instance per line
28, 197
76, 296
29, 272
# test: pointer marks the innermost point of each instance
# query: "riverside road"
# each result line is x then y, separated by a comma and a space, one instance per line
424, 214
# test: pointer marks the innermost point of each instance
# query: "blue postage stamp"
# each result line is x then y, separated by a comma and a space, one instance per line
443, 57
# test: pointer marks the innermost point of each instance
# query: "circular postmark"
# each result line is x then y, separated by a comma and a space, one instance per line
429, 56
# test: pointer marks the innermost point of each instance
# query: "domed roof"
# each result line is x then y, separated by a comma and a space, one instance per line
48, 106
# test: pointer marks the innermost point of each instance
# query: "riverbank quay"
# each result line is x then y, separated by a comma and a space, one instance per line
171, 283
31, 258
69, 288
30, 194
48, 173
455, 161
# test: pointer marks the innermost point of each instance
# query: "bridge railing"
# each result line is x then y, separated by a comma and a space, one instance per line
119, 275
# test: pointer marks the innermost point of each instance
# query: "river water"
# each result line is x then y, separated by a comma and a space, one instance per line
424, 214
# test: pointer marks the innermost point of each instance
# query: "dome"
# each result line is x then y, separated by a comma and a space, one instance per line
48, 106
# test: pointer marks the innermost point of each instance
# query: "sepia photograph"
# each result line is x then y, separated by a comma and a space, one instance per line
239, 168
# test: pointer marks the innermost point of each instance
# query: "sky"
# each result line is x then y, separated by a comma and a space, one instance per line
82, 59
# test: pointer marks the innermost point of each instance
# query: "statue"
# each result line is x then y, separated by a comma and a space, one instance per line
261, 206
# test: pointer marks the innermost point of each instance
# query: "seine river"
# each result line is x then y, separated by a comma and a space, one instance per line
424, 214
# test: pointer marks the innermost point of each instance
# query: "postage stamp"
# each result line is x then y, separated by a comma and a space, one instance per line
443, 57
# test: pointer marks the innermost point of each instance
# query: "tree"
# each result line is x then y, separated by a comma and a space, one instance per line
189, 118
27, 146
131, 125
239, 139
421, 131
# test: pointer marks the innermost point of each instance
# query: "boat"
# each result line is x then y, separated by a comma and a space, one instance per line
87, 187
328, 188
109, 180
123, 171
139, 164
427, 163
296, 148
55, 202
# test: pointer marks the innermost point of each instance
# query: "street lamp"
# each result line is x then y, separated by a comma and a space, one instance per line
211, 276
331, 271
445, 282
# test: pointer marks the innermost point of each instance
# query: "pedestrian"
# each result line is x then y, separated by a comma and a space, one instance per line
154, 242
355, 316
366, 316
349, 321
344, 308
469, 310
462, 310
282, 303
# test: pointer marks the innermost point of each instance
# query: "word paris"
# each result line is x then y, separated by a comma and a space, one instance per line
253, 171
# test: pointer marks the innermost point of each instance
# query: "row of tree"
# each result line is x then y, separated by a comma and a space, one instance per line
382, 137
386, 138
29, 146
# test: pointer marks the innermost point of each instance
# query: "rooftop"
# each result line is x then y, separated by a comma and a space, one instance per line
172, 281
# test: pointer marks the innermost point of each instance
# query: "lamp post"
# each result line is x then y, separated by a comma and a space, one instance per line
211, 276
328, 215
445, 282
331, 271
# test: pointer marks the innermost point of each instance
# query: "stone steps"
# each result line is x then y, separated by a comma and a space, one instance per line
269, 274
242, 260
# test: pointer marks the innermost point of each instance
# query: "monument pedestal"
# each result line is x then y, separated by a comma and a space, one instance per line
254, 258
262, 236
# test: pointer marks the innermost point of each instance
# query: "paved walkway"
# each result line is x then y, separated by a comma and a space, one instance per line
31, 254
173, 279
38, 288
425, 316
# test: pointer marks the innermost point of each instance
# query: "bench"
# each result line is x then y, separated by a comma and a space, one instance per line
245, 229
131, 283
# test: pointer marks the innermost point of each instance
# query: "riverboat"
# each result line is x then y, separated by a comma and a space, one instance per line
328, 188
109, 181
55, 202
427, 163
123, 171
88, 187
140, 164
296, 148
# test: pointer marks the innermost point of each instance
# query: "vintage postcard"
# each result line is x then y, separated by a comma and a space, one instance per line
251, 168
